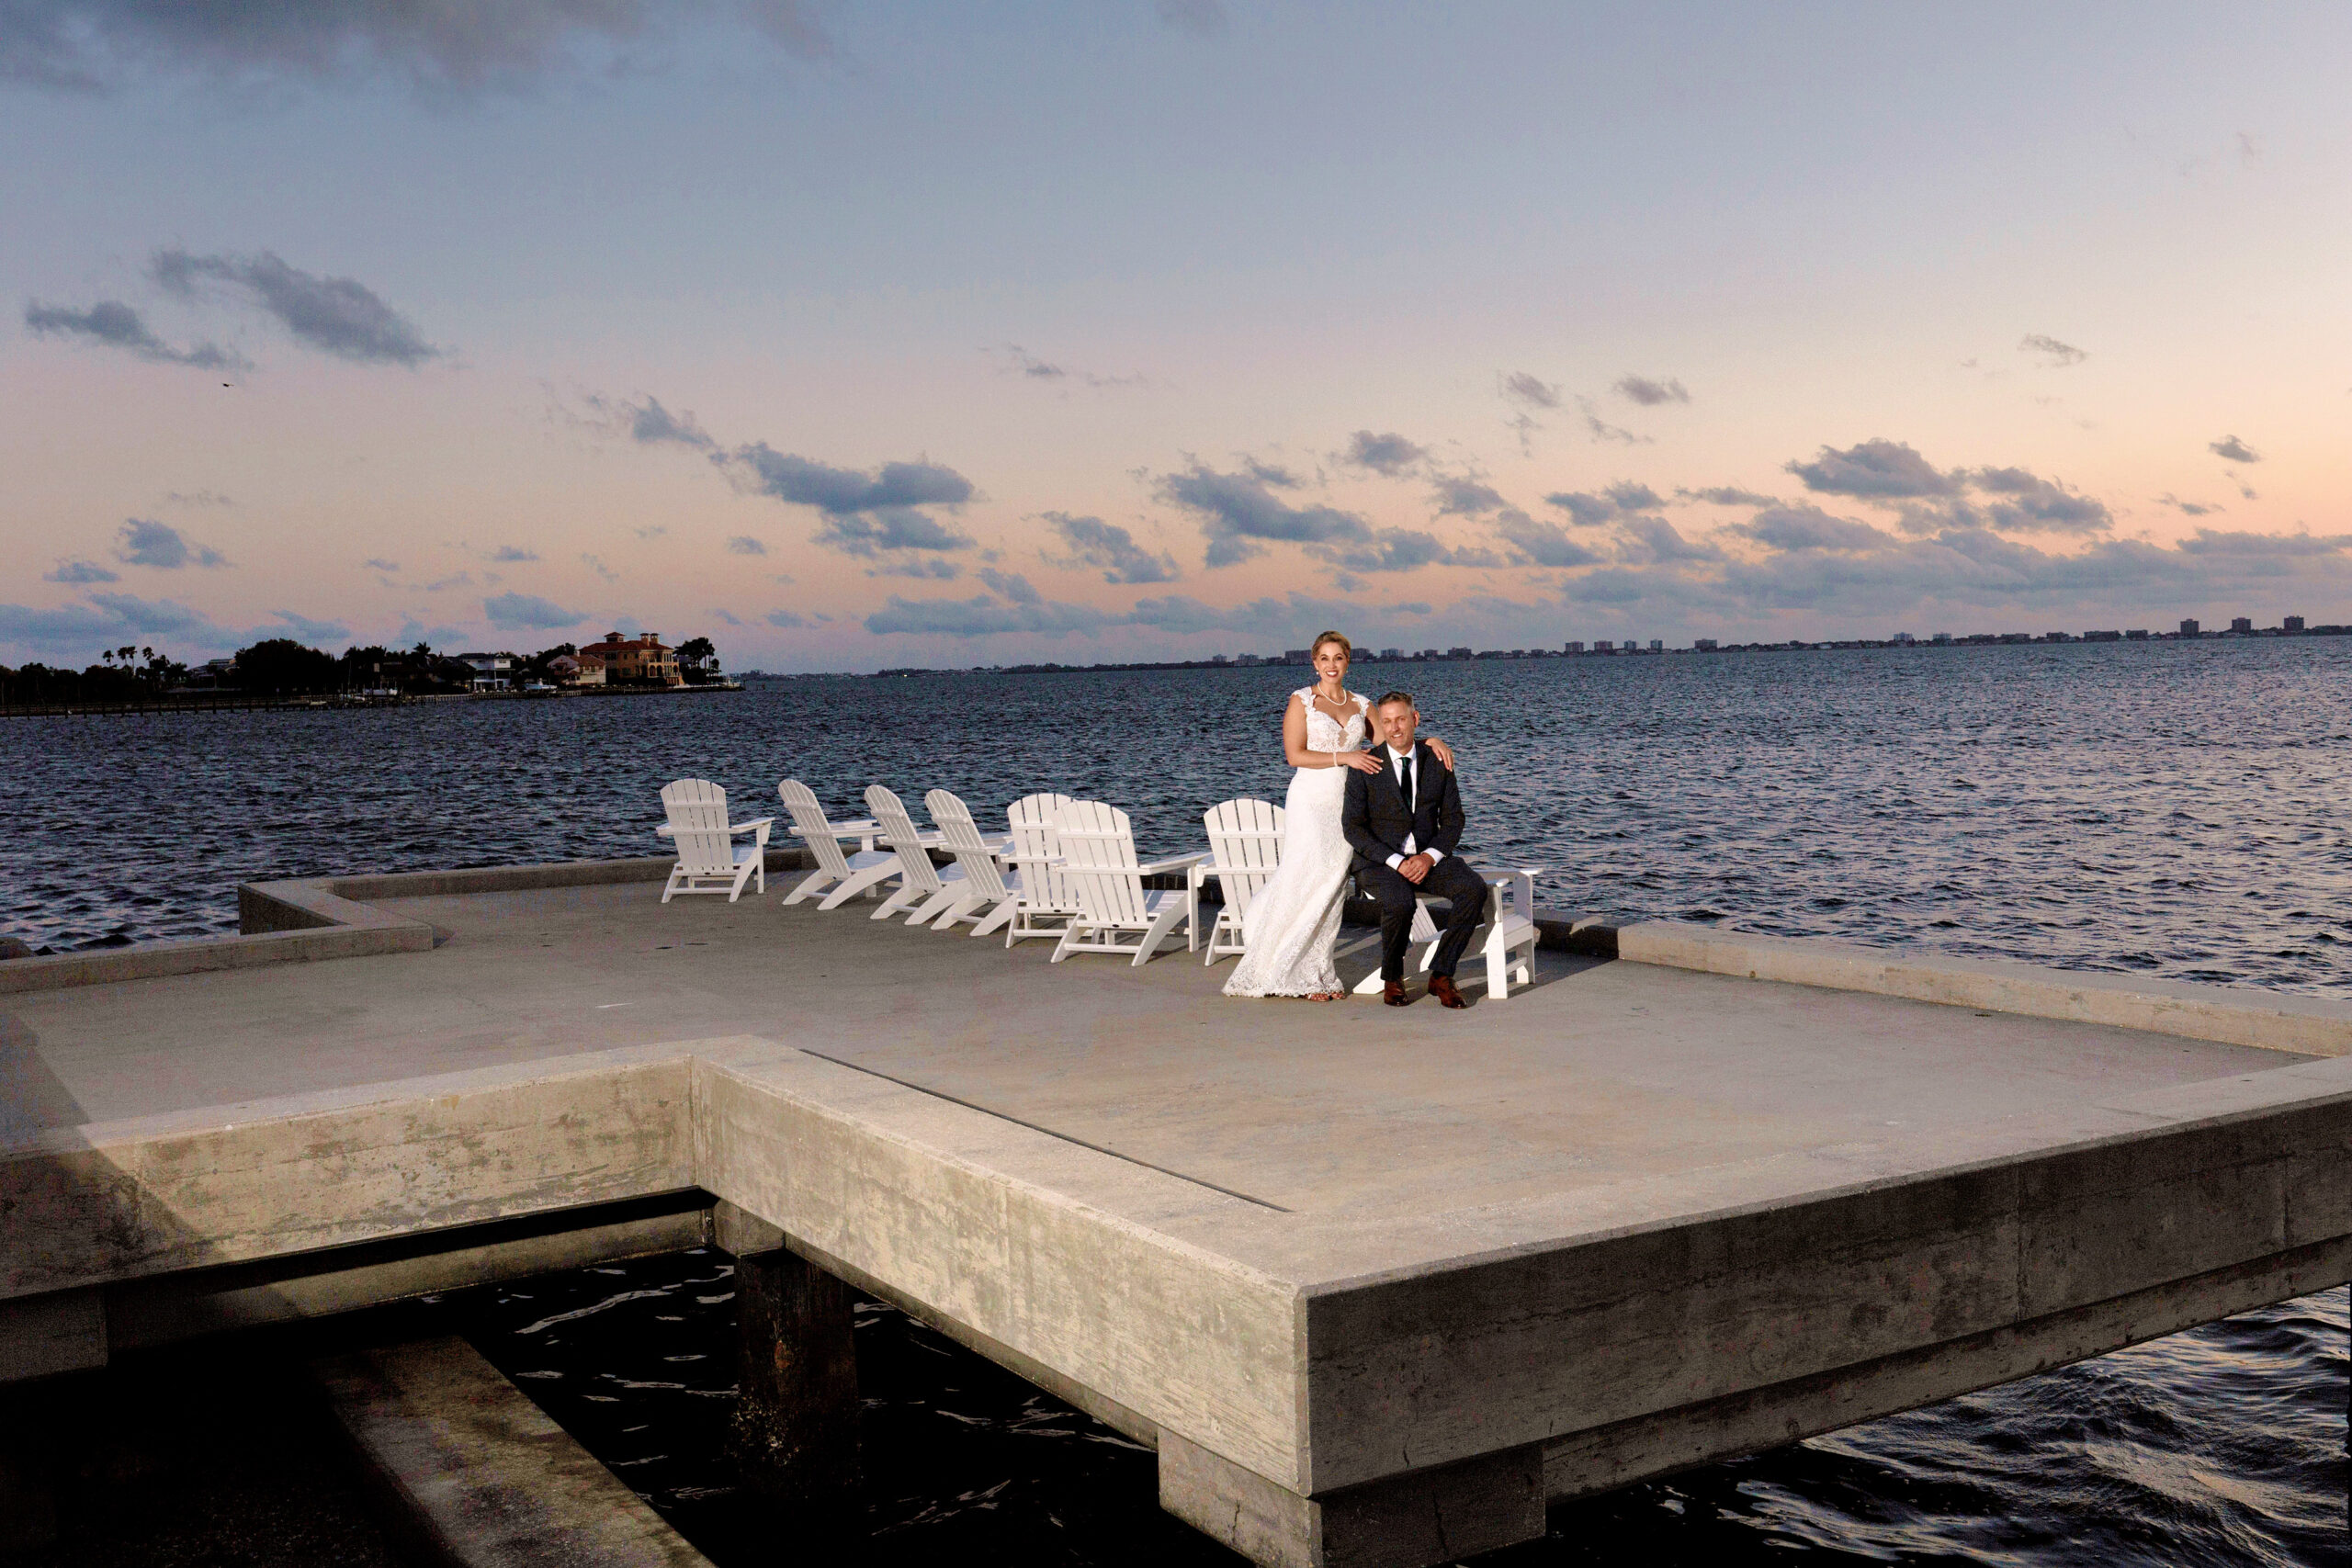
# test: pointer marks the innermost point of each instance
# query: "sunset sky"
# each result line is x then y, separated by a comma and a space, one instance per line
855, 336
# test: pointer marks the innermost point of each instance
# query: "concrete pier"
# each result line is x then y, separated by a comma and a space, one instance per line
794, 1436
1376, 1283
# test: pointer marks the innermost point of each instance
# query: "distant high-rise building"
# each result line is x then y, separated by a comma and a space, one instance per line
1388, 654
1902, 639
1605, 646
1298, 656
2242, 623
2139, 635
1941, 639
1572, 647
1657, 645
2293, 623
1460, 653
1705, 644
2189, 629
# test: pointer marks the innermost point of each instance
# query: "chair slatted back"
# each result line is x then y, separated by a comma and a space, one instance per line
1246, 844
914, 860
961, 836
698, 813
800, 803
1031, 820
1099, 862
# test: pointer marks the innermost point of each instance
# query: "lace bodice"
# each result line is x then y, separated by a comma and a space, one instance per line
1325, 733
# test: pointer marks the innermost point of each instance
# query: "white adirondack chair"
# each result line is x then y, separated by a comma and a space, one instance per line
989, 894
855, 873
710, 859
1506, 938
1116, 913
1043, 904
1245, 846
923, 886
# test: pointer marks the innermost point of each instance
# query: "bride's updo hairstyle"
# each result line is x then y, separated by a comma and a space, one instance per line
1340, 638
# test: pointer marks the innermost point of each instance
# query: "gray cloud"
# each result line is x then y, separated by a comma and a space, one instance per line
726, 617
1631, 497
1600, 429
1726, 495
79, 571
2187, 508
1400, 549
525, 612
335, 315
378, 563
144, 543
105, 620
594, 563
1237, 510
744, 545
1521, 386
2031, 505
1388, 453
2235, 450
1874, 469
2055, 356
512, 552
1587, 510
454, 45
1110, 549
1649, 393
1462, 497
650, 422
1654, 539
841, 492
930, 568
117, 325
793, 620
1541, 543
1799, 528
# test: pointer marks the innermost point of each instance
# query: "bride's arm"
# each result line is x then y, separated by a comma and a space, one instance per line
1294, 745
1444, 753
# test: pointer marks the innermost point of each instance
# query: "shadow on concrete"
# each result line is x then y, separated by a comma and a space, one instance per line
32, 1098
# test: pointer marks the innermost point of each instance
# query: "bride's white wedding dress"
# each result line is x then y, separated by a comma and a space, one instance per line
1295, 920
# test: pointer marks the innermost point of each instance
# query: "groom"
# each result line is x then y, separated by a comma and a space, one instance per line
1404, 822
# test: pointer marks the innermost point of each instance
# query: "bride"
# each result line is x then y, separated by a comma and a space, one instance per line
1288, 933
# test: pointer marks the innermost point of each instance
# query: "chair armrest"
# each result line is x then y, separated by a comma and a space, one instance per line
1173, 863
1035, 860
754, 822
666, 830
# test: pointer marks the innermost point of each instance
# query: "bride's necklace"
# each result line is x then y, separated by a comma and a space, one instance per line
1338, 702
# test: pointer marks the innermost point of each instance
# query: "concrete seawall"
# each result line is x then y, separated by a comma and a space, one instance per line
1375, 1283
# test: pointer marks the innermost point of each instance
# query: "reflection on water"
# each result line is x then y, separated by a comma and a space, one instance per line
2222, 1446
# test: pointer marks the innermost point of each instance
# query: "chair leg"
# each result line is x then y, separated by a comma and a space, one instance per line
807, 886
857, 883
928, 910
1061, 948
670, 888
1161, 924
993, 918
897, 901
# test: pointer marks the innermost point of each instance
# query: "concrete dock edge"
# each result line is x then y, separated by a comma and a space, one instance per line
2310, 1026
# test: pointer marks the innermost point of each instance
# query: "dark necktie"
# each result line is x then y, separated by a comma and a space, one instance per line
1405, 782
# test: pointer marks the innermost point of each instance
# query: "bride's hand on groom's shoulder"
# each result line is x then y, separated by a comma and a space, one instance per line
1361, 761
1443, 752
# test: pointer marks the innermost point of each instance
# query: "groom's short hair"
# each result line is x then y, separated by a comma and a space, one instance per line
1405, 697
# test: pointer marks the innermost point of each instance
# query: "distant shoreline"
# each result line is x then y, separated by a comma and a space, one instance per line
242, 701
1364, 657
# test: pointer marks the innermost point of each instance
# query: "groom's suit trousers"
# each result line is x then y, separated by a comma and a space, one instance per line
1449, 878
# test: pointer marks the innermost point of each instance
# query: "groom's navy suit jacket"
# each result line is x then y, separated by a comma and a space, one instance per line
1375, 820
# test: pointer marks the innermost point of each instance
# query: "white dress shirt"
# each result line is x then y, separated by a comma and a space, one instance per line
1396, 761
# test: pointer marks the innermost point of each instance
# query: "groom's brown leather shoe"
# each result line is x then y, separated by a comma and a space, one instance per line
1393, 993
1442, 987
